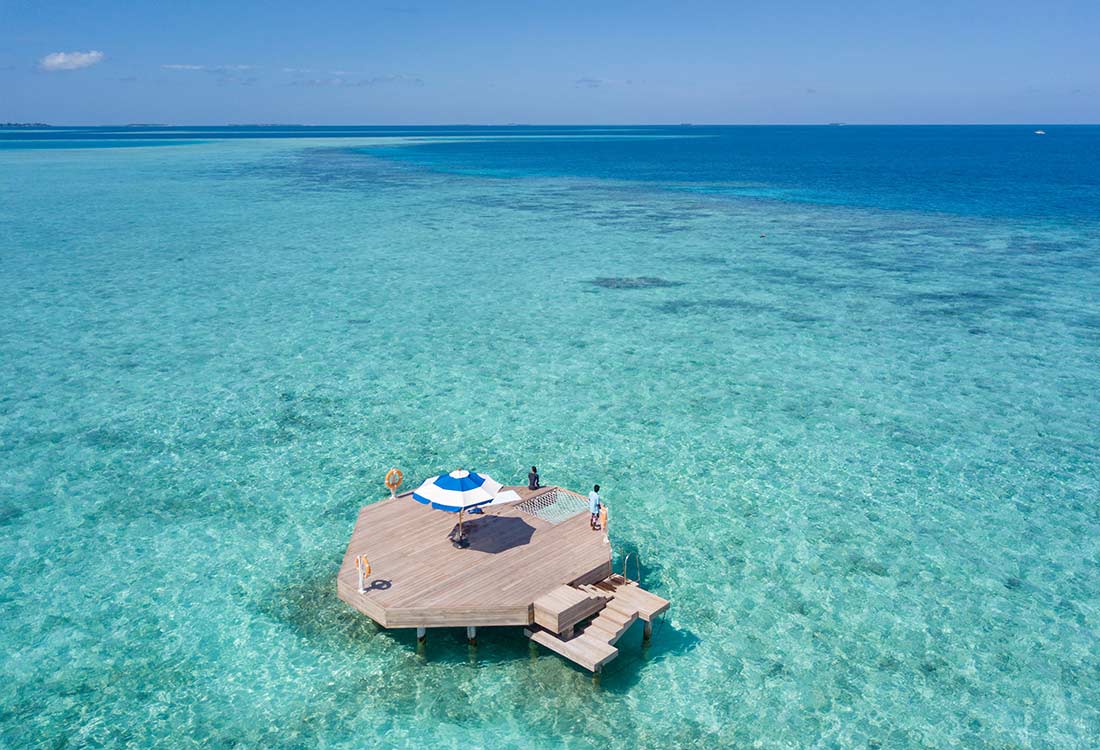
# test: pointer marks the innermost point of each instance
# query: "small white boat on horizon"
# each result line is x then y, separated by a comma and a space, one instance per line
1040, 132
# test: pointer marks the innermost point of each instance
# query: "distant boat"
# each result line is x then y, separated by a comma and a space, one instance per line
1040, 132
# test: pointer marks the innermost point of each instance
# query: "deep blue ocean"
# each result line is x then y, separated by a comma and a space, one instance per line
840, 386
991, 170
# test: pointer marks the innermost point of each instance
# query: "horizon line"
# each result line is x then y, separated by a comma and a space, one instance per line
29, 124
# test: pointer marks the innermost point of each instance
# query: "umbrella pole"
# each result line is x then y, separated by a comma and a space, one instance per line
460, 525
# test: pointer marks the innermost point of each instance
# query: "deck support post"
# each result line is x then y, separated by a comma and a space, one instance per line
647, 631
421, 634
471, 635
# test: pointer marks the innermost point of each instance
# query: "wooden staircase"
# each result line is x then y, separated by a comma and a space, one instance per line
617, 604
611, 622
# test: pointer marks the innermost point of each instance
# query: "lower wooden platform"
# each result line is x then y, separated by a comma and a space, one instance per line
589, 652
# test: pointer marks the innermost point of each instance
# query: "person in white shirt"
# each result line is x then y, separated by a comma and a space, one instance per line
594, 507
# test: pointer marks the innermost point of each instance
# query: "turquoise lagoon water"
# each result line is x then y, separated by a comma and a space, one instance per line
840, 386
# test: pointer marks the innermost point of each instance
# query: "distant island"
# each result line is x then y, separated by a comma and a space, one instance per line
24, 125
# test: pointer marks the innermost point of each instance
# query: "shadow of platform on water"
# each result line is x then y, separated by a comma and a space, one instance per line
635, 655
448, 646
305, 601
507, 645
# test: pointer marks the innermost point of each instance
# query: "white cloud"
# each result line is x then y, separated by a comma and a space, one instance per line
70, 60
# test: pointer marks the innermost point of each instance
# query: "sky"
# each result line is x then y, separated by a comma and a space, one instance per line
560, 62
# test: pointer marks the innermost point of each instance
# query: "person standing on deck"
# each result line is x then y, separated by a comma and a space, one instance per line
594, 507
533, 479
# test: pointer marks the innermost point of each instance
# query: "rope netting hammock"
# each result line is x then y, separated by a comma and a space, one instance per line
554, 506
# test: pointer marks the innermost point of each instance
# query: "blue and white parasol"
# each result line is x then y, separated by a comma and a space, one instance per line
458, 491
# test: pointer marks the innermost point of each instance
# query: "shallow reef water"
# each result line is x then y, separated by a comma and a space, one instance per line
849, 429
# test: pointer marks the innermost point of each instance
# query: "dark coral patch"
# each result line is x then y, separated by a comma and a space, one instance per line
633, 282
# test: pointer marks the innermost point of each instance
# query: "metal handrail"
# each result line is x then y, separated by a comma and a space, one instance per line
637, 566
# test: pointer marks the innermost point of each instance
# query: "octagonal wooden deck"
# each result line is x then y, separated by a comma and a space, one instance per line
420, 579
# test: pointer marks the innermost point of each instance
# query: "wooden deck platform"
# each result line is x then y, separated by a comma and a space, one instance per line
534, 562
420, 579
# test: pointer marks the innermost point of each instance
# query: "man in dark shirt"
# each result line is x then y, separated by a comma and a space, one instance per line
533, 479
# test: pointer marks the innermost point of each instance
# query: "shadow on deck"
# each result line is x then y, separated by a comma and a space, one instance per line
495, 534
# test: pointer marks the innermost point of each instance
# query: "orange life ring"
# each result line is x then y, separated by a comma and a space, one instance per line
363, 564
603, 517
394, 478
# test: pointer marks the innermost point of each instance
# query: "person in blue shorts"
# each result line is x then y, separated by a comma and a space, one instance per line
594, 507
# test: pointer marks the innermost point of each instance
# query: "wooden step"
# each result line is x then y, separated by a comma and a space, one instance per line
631, 595
610, 627
616, 616
621, 608
595, 630
586, 650
605, 631
564, 606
